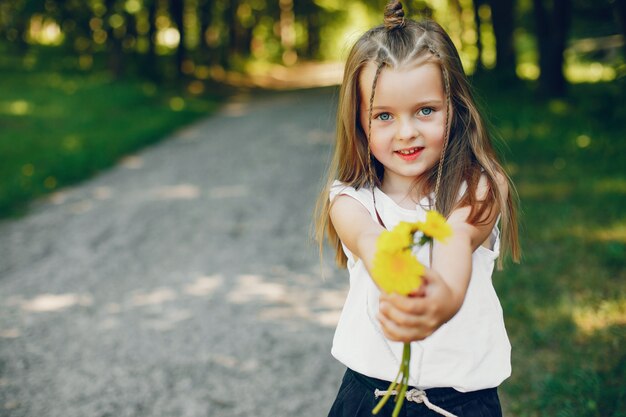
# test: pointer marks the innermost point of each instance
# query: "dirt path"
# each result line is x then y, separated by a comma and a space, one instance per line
181, 282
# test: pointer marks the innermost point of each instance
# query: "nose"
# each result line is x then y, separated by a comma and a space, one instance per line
407, 129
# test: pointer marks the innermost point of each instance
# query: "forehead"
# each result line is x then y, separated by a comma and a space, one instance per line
417, 81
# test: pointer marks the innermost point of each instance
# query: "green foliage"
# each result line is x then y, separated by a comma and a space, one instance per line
565, 305
60, 127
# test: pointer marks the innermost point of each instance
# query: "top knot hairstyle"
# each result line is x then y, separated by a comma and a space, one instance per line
467, 153
394, 15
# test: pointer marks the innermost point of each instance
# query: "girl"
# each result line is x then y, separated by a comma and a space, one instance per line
409, 139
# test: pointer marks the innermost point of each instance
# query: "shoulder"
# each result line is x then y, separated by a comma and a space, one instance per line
487, 183
350, 205
340, 191
478, 216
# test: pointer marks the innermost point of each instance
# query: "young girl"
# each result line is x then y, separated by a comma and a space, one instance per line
410, 139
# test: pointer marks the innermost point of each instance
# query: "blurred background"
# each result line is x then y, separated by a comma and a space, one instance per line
84, 83
180, 57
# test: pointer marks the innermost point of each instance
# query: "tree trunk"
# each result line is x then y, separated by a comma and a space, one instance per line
231, 49
552, 26
620, 13
480, 67
313, 36
150, 67
309, 14
114, 45
502, 18
206, 17
177, 9
20, 24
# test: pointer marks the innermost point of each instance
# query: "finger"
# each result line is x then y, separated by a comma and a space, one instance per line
402, 319
419, 292
429, 276
409, 305
397, 333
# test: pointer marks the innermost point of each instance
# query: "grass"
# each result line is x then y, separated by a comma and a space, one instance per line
60, 126
565, 304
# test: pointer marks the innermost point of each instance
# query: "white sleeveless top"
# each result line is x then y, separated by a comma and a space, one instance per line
468, 353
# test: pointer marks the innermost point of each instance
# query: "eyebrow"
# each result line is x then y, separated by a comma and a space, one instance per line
420, 104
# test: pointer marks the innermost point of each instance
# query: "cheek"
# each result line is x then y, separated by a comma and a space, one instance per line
436, 133
379, 148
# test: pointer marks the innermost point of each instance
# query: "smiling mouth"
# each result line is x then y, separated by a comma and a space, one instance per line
410, 151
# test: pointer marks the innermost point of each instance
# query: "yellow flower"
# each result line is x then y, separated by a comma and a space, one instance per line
435, 226
397, 239
397, 272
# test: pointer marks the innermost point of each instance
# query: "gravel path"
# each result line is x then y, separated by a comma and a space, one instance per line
182, 282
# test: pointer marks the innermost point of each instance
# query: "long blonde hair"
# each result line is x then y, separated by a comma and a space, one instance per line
467, 153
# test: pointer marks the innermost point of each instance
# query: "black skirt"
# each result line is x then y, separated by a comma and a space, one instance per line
356, 399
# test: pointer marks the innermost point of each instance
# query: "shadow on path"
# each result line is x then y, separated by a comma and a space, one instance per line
183, 281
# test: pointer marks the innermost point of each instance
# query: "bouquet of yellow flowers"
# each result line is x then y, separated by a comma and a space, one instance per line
396, 270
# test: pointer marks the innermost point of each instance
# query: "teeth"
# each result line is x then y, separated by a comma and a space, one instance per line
408, 151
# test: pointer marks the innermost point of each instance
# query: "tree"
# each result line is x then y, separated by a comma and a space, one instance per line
620, 13
114, 42
151, 58
205, 15
479, 40
19, 14
502, 18
552, 21
177, 10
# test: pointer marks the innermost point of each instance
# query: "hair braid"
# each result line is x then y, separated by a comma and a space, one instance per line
446, 82
370, 170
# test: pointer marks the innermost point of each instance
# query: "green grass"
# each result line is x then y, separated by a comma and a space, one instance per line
565, 304
58, 127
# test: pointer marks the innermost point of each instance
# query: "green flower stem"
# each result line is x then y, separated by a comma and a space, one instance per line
391, 387
400, 384
406, 360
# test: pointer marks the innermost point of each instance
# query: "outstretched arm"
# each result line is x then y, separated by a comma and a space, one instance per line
355, 227
406, 319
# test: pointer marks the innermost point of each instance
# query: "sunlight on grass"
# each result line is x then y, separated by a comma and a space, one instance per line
559, 107
616, 232
583, 141
560, 189
544, 189
610, 185
16, 108
564, 305
177, 103
613, 233
590, 319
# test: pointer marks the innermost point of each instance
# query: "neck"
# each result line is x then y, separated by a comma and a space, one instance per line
402, 190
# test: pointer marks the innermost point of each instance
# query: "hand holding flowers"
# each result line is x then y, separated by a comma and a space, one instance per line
397, 271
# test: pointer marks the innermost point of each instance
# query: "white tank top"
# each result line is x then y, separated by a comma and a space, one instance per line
468, 353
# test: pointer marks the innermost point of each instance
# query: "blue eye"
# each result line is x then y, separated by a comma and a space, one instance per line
384, 116
426, 111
